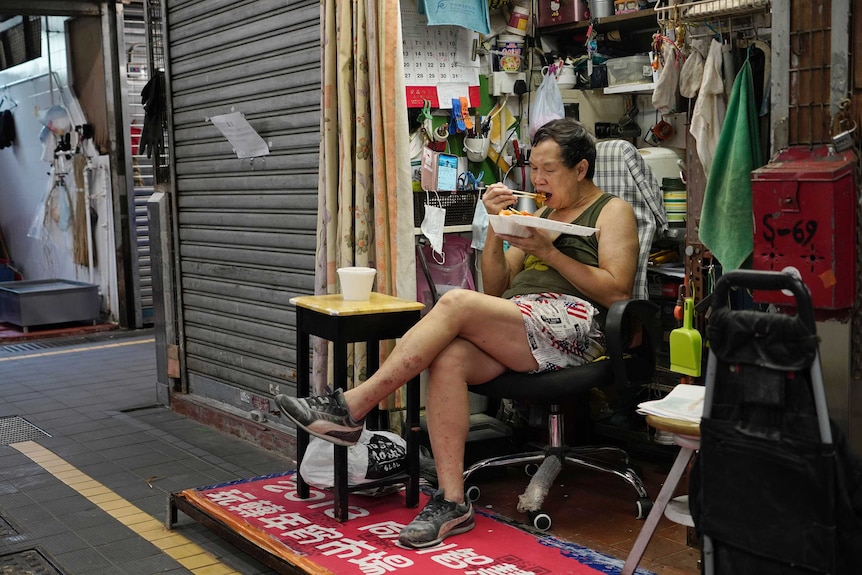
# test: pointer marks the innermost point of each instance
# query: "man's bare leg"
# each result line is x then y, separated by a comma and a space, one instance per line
491, 324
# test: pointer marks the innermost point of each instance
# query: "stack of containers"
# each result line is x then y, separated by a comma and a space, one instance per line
510, 46
675, 202
664, 165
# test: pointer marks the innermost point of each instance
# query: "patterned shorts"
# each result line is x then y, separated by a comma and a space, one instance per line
561, 330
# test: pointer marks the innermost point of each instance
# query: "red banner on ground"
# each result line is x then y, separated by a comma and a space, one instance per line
267, 511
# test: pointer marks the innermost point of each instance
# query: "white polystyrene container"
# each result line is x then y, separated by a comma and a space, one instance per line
356, 282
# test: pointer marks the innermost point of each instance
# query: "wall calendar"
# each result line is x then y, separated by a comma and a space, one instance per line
437, 62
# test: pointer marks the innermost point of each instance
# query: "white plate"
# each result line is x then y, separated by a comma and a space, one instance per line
517, 226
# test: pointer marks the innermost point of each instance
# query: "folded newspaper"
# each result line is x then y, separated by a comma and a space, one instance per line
685, 402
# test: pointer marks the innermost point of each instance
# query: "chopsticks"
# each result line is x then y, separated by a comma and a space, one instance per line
519, 194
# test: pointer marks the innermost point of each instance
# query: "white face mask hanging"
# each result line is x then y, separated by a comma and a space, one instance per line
432, 227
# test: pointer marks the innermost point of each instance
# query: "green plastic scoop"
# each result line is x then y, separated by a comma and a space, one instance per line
686, 344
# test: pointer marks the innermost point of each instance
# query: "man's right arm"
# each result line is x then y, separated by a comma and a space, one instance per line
499, 266
495, 269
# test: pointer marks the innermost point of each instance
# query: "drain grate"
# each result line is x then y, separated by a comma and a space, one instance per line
14, 429
30, 562
39, 345
6, 530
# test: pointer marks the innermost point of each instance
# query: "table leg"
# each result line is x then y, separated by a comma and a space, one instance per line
303, 369
413, 430
340, 487
376, 416
664, 496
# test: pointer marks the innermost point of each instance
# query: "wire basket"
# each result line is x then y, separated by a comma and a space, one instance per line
459, 206
696, 9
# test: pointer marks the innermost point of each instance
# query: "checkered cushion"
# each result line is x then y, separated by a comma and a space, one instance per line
620, 170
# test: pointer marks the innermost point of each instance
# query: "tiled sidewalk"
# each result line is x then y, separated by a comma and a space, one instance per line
116, 456
96, 404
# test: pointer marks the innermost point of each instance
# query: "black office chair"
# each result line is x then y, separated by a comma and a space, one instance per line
620, 170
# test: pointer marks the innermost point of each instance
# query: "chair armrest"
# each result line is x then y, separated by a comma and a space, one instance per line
646, 312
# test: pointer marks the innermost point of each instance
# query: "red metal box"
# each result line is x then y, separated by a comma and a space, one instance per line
554, 12
805, 219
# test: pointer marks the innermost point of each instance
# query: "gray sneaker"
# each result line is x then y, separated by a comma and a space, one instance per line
438, 520
325, 416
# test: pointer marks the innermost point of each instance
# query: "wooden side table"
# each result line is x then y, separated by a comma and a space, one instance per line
686, 434
342, 322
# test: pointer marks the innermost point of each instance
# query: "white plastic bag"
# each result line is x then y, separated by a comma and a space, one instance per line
377, 455
548, 103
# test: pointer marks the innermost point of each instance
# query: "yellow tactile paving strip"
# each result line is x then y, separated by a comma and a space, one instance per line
186, 553
76, 349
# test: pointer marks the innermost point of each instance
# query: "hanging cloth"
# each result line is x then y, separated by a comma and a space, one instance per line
726, 221
691, 73
7, 129
666, 91
155, 106
469, 14
709, 110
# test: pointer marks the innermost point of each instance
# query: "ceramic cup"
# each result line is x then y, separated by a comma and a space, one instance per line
566, 77
356, 282
476, 148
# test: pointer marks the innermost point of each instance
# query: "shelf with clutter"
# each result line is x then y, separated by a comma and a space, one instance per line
591, 58
576, 15
611, 48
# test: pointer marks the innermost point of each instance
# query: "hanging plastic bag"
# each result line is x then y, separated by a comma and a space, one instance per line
54, 211
433, 279
377, 455
59, 207
432, 226
479, 226
37, 229
548, 103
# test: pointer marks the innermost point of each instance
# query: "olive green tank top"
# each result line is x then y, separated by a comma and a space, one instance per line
538, 277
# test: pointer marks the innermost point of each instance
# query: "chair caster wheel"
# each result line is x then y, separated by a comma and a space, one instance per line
643, 507
531, 469
540, 520
472, 493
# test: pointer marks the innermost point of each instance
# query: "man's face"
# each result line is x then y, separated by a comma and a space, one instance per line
551, 177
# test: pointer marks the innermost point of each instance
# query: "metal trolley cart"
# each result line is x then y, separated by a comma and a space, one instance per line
769, 490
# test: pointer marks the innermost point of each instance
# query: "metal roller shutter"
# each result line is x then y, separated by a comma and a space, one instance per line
246, 233
136, 74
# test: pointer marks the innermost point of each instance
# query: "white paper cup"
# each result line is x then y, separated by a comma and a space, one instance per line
356, 282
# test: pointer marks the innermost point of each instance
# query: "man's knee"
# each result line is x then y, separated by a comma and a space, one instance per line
445, 362
456, 299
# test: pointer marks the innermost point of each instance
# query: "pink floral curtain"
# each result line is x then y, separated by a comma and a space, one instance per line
365, 203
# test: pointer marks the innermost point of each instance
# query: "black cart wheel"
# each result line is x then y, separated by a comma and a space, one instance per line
643, 507
540, 520
472, 493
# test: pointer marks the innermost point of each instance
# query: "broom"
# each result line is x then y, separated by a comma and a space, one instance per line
80, 231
